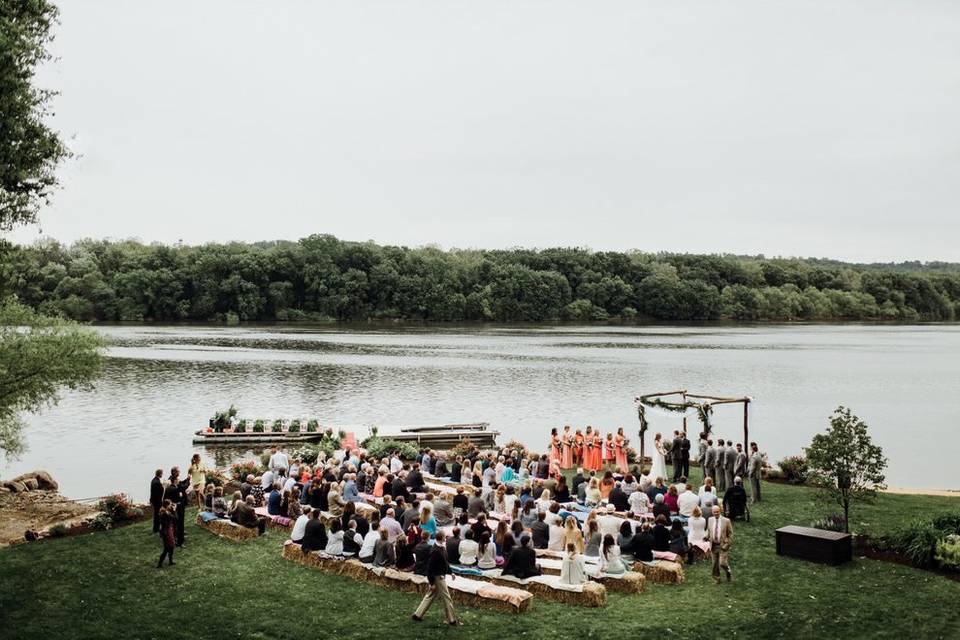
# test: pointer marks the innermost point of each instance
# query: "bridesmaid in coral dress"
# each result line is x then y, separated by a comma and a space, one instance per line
588, 448
566, 460
554, 446
610, 454
597, 451
621, 450
578, 448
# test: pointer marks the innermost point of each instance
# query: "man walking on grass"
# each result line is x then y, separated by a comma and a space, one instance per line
437, 571
720, 535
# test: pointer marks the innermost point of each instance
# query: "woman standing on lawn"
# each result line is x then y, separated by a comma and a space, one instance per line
168, 531
198, 478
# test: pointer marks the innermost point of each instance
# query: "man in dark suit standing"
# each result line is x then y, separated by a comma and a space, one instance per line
684, 455
438, 568
156, 498
675, 453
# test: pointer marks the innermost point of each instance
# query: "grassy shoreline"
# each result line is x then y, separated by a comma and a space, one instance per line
104, 585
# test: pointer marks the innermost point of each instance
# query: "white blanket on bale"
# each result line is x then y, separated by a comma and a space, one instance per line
551, 581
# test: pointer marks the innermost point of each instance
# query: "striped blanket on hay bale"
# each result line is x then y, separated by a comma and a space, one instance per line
473, 593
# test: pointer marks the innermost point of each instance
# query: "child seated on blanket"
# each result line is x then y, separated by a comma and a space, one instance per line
573, 570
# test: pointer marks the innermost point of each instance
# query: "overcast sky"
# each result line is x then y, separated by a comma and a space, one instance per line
786, 128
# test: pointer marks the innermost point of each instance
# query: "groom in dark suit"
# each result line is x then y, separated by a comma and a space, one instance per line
676, 451
684, 455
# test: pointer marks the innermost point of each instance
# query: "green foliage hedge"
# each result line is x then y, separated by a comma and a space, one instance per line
321, 278
381, 447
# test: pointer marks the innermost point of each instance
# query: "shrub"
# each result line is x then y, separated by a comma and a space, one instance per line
240, 470
277, 426
59, 530
308, 453
215, 477
794, 469
519, 446
119, 508
918, 541
378, 447
947, 554
313, 425
294, 426
265, 459
948, 523
328, 444
101, 523
258, 426
462, 448
833, 522
242, 426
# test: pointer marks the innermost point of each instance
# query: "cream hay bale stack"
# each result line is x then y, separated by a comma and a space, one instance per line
229, 530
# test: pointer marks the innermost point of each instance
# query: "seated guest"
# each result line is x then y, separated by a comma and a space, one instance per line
335, 501
238, 497
244, 513
708, 498
391, 526
414, 480
507, 545
573, 570
335, 539
468, 549
219, 504
428, 523
540, 532
707, 482
300, 526
522, 562
460, 501
610, 560
661, 534
618, 498
629, 485
274, 500
656, 488
556, 537
625, 539
572, 534
443, 512
562, 491
350, 492
453, 547
696, 527
384, 554
246, 485
660, 507
318, 495
486, 552
609, 522
735, 500
455, 470
398, 489
388, 504
502, 531
410, 514
422, 553
294, 508
606, 485
350, 515
592, 539
314, 534
352, 540
592, 495
639, 503
642, 545
406, 561
678, 539
528, 515
671, 499
379, 483
440, 469
687, 502
480, 527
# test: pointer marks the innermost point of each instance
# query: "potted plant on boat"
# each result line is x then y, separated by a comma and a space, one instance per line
277, 426
258, 426
313, 425
294, 426
242, 426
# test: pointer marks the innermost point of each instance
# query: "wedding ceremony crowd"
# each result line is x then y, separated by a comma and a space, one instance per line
440, 515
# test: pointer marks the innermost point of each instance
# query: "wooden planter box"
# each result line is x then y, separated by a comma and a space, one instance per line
818, 545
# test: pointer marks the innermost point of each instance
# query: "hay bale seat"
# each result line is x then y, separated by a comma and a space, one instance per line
629, 582
661, 571
658, 571
549, 587
472, 593
227, 529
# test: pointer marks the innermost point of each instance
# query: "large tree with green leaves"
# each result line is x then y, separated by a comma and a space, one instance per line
39, 354
845, 462
30, 149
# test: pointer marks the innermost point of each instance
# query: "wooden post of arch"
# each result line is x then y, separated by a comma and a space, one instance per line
746, 425
684, 413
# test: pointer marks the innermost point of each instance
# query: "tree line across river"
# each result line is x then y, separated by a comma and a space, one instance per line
323, 278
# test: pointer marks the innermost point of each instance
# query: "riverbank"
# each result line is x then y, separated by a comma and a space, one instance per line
97, 585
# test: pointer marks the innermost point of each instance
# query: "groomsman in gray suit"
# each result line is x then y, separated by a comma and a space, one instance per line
755, 470
741, 467
729, 463
720, 478
710, 460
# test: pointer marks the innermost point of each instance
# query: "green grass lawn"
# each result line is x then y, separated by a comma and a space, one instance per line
105, 585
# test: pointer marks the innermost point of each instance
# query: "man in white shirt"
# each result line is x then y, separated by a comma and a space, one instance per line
289, 484
300, 526
266, 481
369, 542
278, 460
395, 464
391, 525
686, 503
609, 523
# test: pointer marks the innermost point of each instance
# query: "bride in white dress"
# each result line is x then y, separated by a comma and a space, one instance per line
659, 469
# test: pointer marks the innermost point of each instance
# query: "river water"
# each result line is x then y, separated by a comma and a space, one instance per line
162, 383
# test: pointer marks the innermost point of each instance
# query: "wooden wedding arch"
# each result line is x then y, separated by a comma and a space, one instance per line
681, 401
